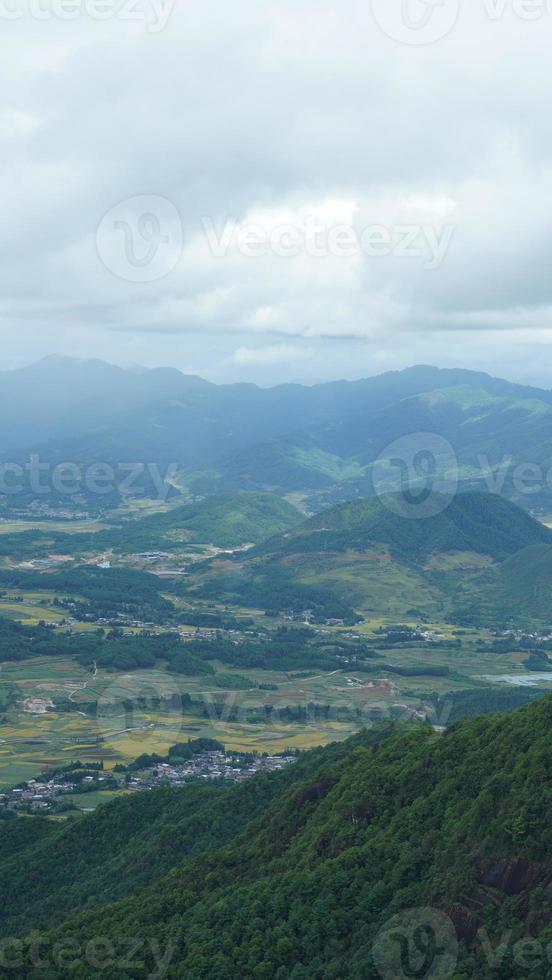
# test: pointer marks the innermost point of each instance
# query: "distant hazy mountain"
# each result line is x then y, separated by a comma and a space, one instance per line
60, 397
321, 440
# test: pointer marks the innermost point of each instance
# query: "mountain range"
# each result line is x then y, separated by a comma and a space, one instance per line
322, 441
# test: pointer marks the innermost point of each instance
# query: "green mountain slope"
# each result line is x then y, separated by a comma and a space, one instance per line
381, 826
484, 523
367, 556
228, 521
516, 592
119, 849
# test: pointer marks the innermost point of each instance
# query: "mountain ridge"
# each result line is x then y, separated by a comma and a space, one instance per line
329, 442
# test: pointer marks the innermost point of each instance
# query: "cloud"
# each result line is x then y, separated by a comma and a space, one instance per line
282, 116
274, 354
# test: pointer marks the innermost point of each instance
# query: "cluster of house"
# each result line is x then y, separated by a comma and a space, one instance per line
408, 634
233, 767
151, 556
39, 796
44, 511
308, 617
521, 636
198, 634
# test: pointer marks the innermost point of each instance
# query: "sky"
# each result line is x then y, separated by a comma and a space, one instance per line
277, 191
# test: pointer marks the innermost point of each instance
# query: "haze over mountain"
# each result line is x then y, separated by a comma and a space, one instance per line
321, 440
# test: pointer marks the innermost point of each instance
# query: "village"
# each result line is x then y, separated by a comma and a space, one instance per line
56, 792
233, 767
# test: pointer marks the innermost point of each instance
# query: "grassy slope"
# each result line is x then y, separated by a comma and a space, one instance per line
479, 522
382, 563
371, 582
518, 590
228, 521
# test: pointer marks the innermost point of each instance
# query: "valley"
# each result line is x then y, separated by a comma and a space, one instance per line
275, 491
255, 681
33, 740
291, 677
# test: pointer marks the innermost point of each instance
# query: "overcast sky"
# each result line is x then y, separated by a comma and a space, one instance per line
277, 190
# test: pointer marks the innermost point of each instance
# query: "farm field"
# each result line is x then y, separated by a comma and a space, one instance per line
65, 527
30, 608
29, 611
34, 736
29, 744
89, 801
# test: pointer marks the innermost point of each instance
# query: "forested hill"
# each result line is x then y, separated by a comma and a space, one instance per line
367, 558
481, 522
358, 833
227, 521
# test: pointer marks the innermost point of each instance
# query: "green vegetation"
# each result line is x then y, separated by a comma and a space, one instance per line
233, 682
98, 649
293, 875
471, 522
284, 649
98, 593
184, 662
363, 557
483, 701
276, 591
227, 521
